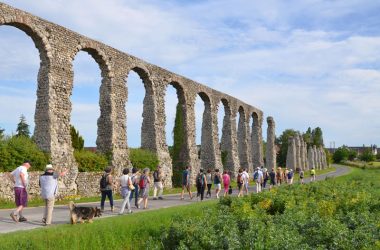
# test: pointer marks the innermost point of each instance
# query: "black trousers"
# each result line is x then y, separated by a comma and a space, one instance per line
209, 189
201, 191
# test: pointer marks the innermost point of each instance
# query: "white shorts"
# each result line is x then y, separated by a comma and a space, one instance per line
218, 186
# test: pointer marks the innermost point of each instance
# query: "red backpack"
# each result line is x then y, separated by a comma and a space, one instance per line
142, 182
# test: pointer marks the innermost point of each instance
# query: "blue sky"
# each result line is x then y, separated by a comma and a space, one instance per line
306, 63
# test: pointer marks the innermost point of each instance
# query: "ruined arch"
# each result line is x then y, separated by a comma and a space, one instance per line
242, 137
41, 114
256, 140
148, 133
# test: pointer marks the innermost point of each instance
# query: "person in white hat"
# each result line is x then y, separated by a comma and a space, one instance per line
49, 188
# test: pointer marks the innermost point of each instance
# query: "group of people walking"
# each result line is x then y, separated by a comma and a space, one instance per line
135, 186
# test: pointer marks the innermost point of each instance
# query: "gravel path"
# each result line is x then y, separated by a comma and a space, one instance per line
61, 212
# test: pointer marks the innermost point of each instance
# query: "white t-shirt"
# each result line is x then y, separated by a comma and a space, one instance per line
124, 180
16, 175
245, 177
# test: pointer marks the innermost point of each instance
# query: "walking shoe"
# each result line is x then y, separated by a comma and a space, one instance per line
112, 209
160, 198
22, 219
154, 198
43, 220
14, 217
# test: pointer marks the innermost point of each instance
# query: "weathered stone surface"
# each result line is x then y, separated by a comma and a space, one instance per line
270, 155
297, 141
58, 47
291, 154
306, 160
310, 158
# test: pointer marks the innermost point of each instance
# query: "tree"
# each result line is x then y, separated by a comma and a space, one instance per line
307, 137
23, 127
367, 155
1, 133
77, 140
341, 154
317, 137
178, 146
352, 155
282, 142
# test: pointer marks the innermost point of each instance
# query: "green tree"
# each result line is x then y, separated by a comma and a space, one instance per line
178, 148
317, 137
352, 155
367, 155
307, 137
341, 154
23, 127
1, 133
77, 140
282, 142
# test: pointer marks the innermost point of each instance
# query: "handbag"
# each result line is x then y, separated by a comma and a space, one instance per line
130, 185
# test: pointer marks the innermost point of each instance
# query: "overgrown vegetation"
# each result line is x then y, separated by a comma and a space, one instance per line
340, 213
142, 158
14, 150
178, 149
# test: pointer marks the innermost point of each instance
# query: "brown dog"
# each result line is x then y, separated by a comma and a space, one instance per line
81, 214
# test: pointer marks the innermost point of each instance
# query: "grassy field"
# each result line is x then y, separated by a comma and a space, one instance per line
160, 228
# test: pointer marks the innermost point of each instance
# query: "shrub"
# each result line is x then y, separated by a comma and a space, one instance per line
14, 150
89, 161
142, 158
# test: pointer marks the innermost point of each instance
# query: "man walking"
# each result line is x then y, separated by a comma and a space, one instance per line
49, 188
186, 182
20, 179
258, 178
157, 179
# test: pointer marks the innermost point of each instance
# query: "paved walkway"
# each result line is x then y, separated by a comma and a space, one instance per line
61, 212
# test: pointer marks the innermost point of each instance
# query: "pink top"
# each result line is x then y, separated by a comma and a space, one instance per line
226, 180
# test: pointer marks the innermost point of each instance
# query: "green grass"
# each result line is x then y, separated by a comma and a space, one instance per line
133, 231
120, 232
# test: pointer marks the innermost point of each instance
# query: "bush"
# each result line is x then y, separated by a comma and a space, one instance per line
141, 158
16, 149
90, 162
367, 156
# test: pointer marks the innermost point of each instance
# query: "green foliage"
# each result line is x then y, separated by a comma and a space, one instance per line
1, 133
317, 137
334, 214
77, 140
89, 161
343, 154
14, 150
282, 141
367, 155
178, 149
224, 155
23, 127
142, 158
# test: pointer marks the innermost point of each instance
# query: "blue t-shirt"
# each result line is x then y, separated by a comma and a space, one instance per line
184, 176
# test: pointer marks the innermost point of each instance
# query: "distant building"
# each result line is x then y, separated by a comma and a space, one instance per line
359, 150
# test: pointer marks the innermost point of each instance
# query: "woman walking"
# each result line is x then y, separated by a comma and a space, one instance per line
126, 189
240, 182
226, 182
209, 183
217, 182
106, 186
135, 182
201, 184
144, 185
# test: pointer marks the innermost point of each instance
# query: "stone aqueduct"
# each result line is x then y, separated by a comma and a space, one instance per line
57, 48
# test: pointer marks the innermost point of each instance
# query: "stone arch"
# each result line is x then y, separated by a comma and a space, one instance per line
148, 132
41, 115
104, 130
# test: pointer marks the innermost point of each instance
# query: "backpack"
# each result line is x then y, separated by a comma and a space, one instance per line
290, 175
239, 179
142, 182
200, 180
104, 181
256, 175
216, 179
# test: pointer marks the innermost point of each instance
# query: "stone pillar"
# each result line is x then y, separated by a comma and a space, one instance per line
242, 135
316, 158
257, 141
229, 140
291, 154
271, 147
298, 151
324, 159
210, 152
310, 158
302, 153
306, 161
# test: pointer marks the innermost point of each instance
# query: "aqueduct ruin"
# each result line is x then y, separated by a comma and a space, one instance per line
58, 46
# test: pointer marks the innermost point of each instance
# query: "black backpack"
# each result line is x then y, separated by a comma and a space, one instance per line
104, 181
200, 180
